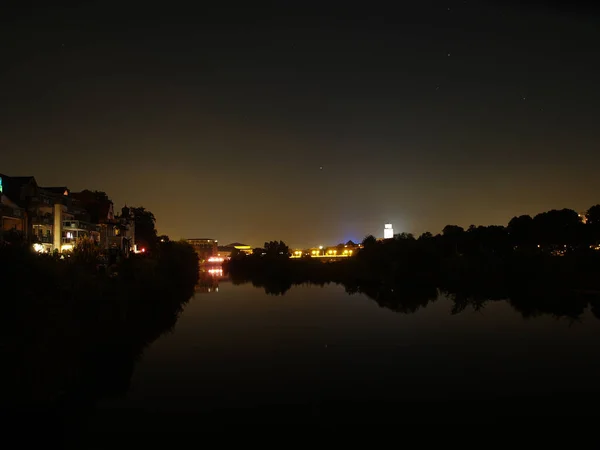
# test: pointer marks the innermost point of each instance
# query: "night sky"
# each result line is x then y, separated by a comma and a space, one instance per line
308, 124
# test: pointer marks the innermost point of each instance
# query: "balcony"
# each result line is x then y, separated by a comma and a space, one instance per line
7, 211
45, 219
44, 239
79, 225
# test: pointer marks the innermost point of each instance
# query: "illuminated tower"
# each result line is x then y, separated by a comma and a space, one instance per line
388, 231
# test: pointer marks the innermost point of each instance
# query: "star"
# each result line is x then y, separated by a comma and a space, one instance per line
448, 54
320, 167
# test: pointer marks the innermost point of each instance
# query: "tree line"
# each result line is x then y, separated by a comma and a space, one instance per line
554, 251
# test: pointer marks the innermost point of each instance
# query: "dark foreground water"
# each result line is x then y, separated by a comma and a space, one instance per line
322, 357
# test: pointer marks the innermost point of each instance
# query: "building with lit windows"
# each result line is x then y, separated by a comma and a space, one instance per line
53, 218
225, 251
12, 216
35, 210
328, 253
205, 248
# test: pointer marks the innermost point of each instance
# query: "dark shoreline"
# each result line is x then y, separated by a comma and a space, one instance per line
71, 334
533, 286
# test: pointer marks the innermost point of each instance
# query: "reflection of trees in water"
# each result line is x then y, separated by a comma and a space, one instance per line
63, 373
462, 301
595, 307
407, 299
558, 304
528, 302
401, 299
273, 285
74, 339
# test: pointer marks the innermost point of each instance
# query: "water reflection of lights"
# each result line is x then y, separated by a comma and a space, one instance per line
218, 272
214, 259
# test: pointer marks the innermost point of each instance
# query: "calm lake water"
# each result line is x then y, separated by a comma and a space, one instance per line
319, 355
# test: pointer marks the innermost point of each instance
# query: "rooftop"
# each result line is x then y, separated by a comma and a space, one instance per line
59, 190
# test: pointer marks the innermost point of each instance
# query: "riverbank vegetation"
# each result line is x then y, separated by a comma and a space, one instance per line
542, 264
71, 333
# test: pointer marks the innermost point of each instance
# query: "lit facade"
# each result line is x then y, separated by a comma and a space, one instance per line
53, 218
335, 252
12, 217
388, 231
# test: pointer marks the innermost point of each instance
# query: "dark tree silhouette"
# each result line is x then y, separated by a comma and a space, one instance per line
453, 230
145, 231
482, 263
558, 227
453, 237
276, 250
593, 215
369, 241
520, 231
593, 223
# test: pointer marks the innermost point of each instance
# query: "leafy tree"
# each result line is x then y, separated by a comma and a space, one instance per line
520, 231
482, 240
275, 249
593, 222
593, 215
369, 241
426, 235
558, 227
405, 236
453, 236
453, 230
145, 230
86, 251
